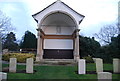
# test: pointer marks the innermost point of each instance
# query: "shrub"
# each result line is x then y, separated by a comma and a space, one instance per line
21, 57
88, 59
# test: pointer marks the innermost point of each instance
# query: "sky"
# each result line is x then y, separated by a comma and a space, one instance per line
98, 13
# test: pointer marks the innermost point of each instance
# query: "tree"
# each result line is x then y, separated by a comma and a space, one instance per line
88, 46
5, 25
107, 32
115, 47
29, 40
10, 42
110, 51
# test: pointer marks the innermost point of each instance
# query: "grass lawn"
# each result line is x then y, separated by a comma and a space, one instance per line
58, 72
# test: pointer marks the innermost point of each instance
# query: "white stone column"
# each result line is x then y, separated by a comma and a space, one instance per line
12, 65
29, 65
104, 76
76, 51
116, 65
39, 47
99, 65
75, 54
81, 66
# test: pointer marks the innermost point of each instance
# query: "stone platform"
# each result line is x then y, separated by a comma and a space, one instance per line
57, 62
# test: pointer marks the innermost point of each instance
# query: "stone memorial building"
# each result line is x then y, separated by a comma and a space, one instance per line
58, 32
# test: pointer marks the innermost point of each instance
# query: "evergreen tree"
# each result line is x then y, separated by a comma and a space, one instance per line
114, 47
29, 41
10, 42
88, 46
110, 51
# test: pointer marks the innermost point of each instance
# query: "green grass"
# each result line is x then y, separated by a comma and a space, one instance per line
57, 72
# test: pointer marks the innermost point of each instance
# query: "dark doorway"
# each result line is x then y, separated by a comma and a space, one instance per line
58, 54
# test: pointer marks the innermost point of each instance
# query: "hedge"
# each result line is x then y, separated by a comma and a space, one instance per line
21, 57
88, 59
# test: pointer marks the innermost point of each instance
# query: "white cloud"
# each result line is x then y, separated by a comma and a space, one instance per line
97, 12
11, 0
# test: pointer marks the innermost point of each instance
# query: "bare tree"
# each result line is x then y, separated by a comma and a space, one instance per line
107, 32
5, 25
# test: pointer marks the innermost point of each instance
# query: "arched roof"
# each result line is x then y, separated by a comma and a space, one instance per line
58, 19
58, 6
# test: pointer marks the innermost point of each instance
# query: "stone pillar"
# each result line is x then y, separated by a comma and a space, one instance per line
81, 66
3, 76
39, 47
12, 65
29, 65
99, 65
116, 65
76, 51
104, 76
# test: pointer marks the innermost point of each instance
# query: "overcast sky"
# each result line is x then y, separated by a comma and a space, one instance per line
97, 13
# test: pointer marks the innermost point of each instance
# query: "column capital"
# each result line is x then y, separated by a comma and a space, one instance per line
38, 29
77, 34
38, 33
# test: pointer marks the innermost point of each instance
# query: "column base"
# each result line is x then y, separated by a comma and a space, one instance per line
76, 58
39, 58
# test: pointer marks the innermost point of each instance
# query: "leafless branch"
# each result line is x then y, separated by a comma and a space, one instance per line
5, 25
106, 33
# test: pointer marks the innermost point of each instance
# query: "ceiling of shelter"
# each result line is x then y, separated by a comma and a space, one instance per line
58, 19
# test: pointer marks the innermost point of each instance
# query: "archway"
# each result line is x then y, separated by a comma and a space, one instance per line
57, 34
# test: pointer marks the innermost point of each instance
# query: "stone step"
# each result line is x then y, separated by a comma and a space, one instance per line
57, 62
71, 60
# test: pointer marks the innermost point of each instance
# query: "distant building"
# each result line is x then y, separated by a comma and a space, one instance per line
58, 32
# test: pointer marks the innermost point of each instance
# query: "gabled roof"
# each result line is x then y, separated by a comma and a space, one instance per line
54, 3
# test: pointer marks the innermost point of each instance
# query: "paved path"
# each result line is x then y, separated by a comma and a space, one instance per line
5, 62
37, 64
